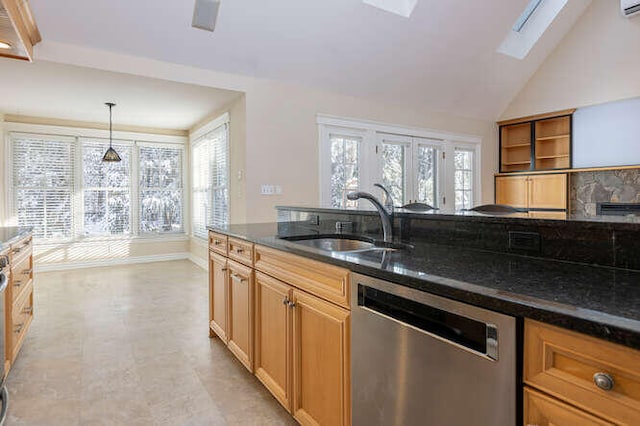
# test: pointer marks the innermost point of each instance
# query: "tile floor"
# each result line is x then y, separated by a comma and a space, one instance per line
129, 345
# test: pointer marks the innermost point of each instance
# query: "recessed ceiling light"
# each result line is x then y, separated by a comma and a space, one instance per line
5, 45
403, 8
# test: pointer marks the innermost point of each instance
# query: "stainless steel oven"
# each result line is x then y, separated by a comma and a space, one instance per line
421, 359
4, 280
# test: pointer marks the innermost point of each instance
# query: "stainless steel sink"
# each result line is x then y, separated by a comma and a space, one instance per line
343, 243
337, 244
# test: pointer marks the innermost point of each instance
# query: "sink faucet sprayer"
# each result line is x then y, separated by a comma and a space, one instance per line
385, 216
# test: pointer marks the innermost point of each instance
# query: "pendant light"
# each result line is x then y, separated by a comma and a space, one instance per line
111, 155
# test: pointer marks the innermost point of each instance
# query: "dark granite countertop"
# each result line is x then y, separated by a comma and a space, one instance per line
11, 234
600, 301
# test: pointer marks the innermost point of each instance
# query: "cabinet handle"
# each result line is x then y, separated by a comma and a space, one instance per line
239, 250
17, 249
17, 283
604, 381
27, 271
238, 278
285, 301
292, 304
18, 328
27, 310
224, 269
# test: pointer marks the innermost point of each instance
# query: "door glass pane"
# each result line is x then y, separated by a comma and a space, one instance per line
426, 176
345, 157
393, 171
463, 179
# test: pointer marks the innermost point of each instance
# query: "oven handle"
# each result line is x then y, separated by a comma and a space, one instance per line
3, 281
4, 395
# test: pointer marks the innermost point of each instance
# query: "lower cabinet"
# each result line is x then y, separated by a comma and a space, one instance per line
301, 352
240, 313
541, 410
574, 379
218, 296
321, 383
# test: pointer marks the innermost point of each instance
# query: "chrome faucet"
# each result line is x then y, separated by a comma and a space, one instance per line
388, 199
385, 216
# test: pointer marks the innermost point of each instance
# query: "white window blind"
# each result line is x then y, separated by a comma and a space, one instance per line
345, 173
463, 180
43, 183
106, 190
160, 189
210, 175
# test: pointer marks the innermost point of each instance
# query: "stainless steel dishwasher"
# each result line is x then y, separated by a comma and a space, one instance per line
421, 359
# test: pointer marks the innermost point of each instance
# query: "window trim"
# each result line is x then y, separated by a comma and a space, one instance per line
76, 134
216, 123
370, 131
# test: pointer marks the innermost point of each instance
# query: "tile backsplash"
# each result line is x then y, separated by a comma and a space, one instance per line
587, 189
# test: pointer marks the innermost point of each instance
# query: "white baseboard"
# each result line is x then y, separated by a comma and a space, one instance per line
199, 261
47, 267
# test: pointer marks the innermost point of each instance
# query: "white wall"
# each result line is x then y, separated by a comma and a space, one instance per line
281, 132
598, 61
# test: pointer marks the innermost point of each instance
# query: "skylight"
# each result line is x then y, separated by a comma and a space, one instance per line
403, 8
529, 27
524, 17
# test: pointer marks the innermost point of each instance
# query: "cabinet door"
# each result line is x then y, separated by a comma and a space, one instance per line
512, 191
273, 337
321, 361
241, 312
548, 191
541, 410
218, 296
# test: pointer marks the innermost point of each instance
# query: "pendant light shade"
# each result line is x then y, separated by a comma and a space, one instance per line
111, 155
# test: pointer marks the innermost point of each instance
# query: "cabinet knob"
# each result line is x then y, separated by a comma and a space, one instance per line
239, 250
604, 381
223, 269
285, 301
217, 242
291, 304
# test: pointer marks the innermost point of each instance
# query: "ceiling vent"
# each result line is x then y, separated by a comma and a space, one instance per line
630, 7
18, 30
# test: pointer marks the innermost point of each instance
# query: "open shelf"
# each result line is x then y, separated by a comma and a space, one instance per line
517, 145
514, 163
545, 157
550, 138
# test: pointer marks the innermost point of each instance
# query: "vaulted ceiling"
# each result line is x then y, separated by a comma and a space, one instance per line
442, 58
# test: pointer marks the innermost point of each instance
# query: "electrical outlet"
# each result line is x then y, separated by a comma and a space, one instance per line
267, 190
278, 189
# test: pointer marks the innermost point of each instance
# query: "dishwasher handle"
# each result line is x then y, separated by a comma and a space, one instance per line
466, 333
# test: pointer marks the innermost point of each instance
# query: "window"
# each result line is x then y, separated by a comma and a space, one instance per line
160, 189
415, 165
210, 170
344, 169
43, 184
463, 179
106, 190
61, 187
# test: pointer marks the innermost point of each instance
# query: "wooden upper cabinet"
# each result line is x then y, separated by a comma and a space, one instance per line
218, 295
540, 142
240, 312
272, 336
548, 191
321, 360
18, 28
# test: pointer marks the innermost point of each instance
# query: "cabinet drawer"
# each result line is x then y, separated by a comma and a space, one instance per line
565, 364
241, 251
540, 410
21, 317
21, 250
21, 276
218, 243
326, 281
